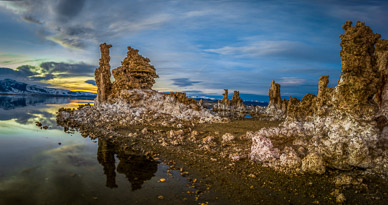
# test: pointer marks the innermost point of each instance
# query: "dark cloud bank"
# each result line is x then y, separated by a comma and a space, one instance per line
48, 70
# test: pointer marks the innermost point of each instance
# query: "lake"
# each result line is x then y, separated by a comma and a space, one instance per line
50, 166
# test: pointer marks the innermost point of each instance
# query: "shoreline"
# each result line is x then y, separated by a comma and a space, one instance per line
243, 181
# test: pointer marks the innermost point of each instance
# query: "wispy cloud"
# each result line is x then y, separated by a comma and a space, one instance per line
184, 82
291, 81
261, 48
91, 82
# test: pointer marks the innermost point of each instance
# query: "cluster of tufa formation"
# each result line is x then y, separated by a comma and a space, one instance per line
226, 104
131, 101
235, 108
343, 127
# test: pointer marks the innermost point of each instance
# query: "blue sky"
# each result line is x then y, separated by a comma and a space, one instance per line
200, 47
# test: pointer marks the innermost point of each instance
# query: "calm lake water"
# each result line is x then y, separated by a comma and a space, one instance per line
39, 166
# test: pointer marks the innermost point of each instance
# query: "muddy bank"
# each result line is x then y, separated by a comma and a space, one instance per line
219, 163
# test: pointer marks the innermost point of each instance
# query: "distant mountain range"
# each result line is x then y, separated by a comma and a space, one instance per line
13, 87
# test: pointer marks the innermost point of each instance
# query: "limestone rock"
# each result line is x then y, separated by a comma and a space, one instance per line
313, 163
262, 149
236, 100
343, 127
235, 108
359, 81
381, 54
102, 75
340, 198
277, 108
135, 72
274, 95
138, 107
182, 98
227, 137
225, 99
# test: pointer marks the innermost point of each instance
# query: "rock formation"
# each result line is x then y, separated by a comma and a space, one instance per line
182, 98
230, 107
343, 127
102, 75
225, 99
131, 101
236, 100
135, 72
274, 95
381, 54
360, 78
277, 107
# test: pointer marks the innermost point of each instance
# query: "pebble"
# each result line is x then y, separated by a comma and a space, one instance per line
340, 198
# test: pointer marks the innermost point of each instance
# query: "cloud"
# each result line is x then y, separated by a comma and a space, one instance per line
67, 69
49, 73
291, 81
31, 19
76, 24
67, 9
9, 73
92, 82
184, 82
261, 48
373, 13
279, 49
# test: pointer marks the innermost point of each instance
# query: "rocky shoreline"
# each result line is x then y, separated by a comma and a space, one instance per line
217, 156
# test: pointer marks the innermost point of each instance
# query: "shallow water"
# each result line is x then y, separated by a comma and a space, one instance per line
39, 166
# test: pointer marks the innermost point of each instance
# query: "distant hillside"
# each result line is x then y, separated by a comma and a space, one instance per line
13, 87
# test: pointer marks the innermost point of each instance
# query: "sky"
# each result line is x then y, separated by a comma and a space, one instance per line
199, 47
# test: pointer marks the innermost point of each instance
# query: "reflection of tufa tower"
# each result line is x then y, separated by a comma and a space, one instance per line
106, 157
102, 75
136, 167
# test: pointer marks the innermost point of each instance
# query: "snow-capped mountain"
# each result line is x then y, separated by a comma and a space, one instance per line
8, 86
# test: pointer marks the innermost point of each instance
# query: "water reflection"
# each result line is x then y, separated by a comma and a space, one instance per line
39, 166
28, 109
10, 102
137, 168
